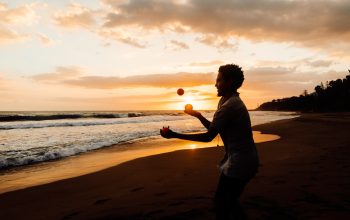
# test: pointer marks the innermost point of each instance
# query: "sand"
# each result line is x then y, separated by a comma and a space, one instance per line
303, 175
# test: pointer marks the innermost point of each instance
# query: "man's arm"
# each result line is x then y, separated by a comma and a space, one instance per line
201, 137
204, 121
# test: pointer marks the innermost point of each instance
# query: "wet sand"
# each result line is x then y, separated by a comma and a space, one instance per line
303, 175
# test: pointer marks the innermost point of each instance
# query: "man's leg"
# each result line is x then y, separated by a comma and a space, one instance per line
227, 198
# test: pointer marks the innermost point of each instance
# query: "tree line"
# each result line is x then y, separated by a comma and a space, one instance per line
333, 96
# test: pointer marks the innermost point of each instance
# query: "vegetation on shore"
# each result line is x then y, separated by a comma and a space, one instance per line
334, 96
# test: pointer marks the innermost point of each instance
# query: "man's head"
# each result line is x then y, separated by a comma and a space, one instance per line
229, 79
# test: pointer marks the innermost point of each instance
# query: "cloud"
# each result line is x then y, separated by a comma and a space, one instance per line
217, 41
213, 63
320, 63
122, 38
153, 100
177, 45
75, 16
202, 95
24, 14
268, 74
148, 14
113, 3
310, 23
134, 102
285, 80
152, 80
206, 64
45, 39
61, 73
74, 76
10, 36
299, 62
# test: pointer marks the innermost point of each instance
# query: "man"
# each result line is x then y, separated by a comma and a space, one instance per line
232, 122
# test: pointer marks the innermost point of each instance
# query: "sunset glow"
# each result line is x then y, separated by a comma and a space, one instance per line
134, 55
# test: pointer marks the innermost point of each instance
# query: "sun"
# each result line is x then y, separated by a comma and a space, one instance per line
189, 99
198, 101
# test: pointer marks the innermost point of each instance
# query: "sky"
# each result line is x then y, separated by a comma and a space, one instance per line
74, 55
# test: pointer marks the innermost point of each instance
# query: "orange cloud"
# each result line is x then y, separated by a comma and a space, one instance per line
216, 63
11, 36
24, 14
121, 37
74, 16
217, 41
72, 75
264, 79
61, 73
299, 62
177, 45
320, 63
168, 100
45, 39
152, 80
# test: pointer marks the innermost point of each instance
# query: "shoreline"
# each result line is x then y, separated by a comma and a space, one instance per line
17, 178
303, 175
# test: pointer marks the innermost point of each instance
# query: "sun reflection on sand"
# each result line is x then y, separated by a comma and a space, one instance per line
193, 146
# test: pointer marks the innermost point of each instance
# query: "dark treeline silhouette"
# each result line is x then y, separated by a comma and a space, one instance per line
332, 97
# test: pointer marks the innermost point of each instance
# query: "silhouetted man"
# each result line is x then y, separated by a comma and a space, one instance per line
232, 122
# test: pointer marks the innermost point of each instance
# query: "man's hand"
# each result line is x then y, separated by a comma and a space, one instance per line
165, 132
193, 113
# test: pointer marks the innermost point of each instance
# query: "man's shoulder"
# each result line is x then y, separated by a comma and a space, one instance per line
234, 101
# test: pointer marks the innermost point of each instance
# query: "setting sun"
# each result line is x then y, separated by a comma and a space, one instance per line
196, 101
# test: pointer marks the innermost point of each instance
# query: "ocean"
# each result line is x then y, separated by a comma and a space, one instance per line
32, 137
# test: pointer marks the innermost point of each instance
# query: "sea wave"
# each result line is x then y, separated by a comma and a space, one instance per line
55, 150
87, 121
43, 117
27, 142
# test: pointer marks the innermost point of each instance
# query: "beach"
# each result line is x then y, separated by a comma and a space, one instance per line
303, 175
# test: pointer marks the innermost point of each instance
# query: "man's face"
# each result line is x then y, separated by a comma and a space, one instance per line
222, 86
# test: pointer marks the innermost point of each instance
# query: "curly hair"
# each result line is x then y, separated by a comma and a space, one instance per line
234, 72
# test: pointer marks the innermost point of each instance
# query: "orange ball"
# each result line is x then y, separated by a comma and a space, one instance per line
180, 91
188, 107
